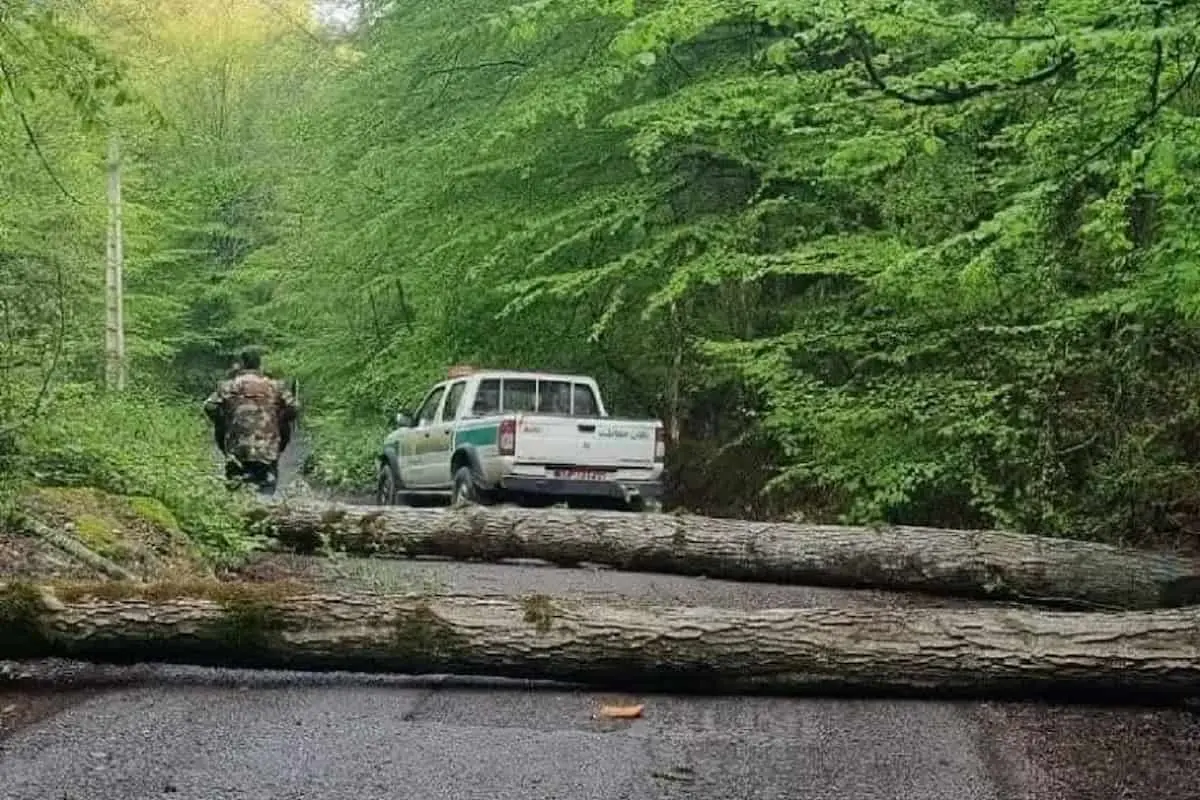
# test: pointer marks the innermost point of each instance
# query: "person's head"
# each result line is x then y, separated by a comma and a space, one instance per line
250, 359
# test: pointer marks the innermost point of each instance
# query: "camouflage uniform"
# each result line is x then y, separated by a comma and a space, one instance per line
252, 415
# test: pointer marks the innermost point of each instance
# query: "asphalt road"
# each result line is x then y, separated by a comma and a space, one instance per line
203, 734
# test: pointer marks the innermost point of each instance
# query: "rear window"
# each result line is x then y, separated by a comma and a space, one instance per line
450, 410
562, 398
519, 394
585, 404
554, 397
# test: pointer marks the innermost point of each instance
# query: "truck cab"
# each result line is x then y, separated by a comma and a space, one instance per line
532, 438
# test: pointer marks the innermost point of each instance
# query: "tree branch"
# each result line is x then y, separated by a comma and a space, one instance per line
1157, 68
949, 95
35, 406
295, 24
991, 37
1138, 122
507, 62
6, 74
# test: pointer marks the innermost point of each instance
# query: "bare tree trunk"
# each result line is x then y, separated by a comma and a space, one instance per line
938, 652
675, 377
114, 330
981, 564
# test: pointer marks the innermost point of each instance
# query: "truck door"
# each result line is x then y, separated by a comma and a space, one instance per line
435, 470
418, 440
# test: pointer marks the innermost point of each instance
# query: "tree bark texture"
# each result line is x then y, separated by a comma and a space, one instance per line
938, 652
976, 564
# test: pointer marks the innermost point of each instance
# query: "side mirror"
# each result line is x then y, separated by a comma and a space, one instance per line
402, 420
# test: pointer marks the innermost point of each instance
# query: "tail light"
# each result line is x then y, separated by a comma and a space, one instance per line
507, 443
660, 445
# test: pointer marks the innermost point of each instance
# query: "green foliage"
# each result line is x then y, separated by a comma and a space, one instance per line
51, 84
141, 446
933, 262
344, 450
938, 254
62, 93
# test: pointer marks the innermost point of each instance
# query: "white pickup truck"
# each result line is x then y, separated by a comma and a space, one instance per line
528, 437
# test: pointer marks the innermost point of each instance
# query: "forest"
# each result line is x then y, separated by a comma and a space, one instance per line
898, 261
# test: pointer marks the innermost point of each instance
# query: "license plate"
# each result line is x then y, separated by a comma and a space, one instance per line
581, 474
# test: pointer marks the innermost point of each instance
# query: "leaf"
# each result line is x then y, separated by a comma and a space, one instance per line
621, 711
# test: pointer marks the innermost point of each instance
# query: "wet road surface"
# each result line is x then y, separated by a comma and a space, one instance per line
365, 742
202, 734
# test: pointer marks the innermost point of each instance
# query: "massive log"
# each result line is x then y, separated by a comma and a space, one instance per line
980, 564
928, 651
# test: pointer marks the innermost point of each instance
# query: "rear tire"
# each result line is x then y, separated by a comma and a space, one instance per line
467, 491
389, 491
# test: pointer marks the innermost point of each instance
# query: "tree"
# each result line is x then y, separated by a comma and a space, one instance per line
54, 87
914, 651
753, 219
63, 93
222, 79
982, 564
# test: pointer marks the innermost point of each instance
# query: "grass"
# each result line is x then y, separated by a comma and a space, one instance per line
137, 532
155, 453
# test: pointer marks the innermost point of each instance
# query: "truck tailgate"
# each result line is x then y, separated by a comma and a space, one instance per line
585, 442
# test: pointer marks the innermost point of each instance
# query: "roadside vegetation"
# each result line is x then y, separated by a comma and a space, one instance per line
915, 262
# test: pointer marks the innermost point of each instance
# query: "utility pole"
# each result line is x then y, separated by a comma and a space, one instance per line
114, 328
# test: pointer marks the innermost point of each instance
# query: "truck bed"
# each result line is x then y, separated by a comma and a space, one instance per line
596, 442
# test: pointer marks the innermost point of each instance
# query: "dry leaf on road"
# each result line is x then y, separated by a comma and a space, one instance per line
622, 711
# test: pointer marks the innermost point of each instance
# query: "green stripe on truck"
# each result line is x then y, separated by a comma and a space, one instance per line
480, 437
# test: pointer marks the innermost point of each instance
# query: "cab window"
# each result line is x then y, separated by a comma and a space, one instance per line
453, 399
554, 397
487, 398
428, 410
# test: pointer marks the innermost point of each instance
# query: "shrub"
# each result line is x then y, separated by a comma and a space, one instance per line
343, 451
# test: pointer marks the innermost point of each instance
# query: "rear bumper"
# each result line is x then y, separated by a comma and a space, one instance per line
620, 490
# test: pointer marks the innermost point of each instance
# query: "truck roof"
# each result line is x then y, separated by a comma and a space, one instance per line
512, 373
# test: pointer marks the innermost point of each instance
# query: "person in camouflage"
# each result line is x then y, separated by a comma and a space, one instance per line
218, 425
252, 418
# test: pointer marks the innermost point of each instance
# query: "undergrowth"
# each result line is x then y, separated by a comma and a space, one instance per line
138, 444
343, 450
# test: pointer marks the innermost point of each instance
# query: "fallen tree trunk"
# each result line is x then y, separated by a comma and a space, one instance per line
980, 564
972, 652
78, 550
